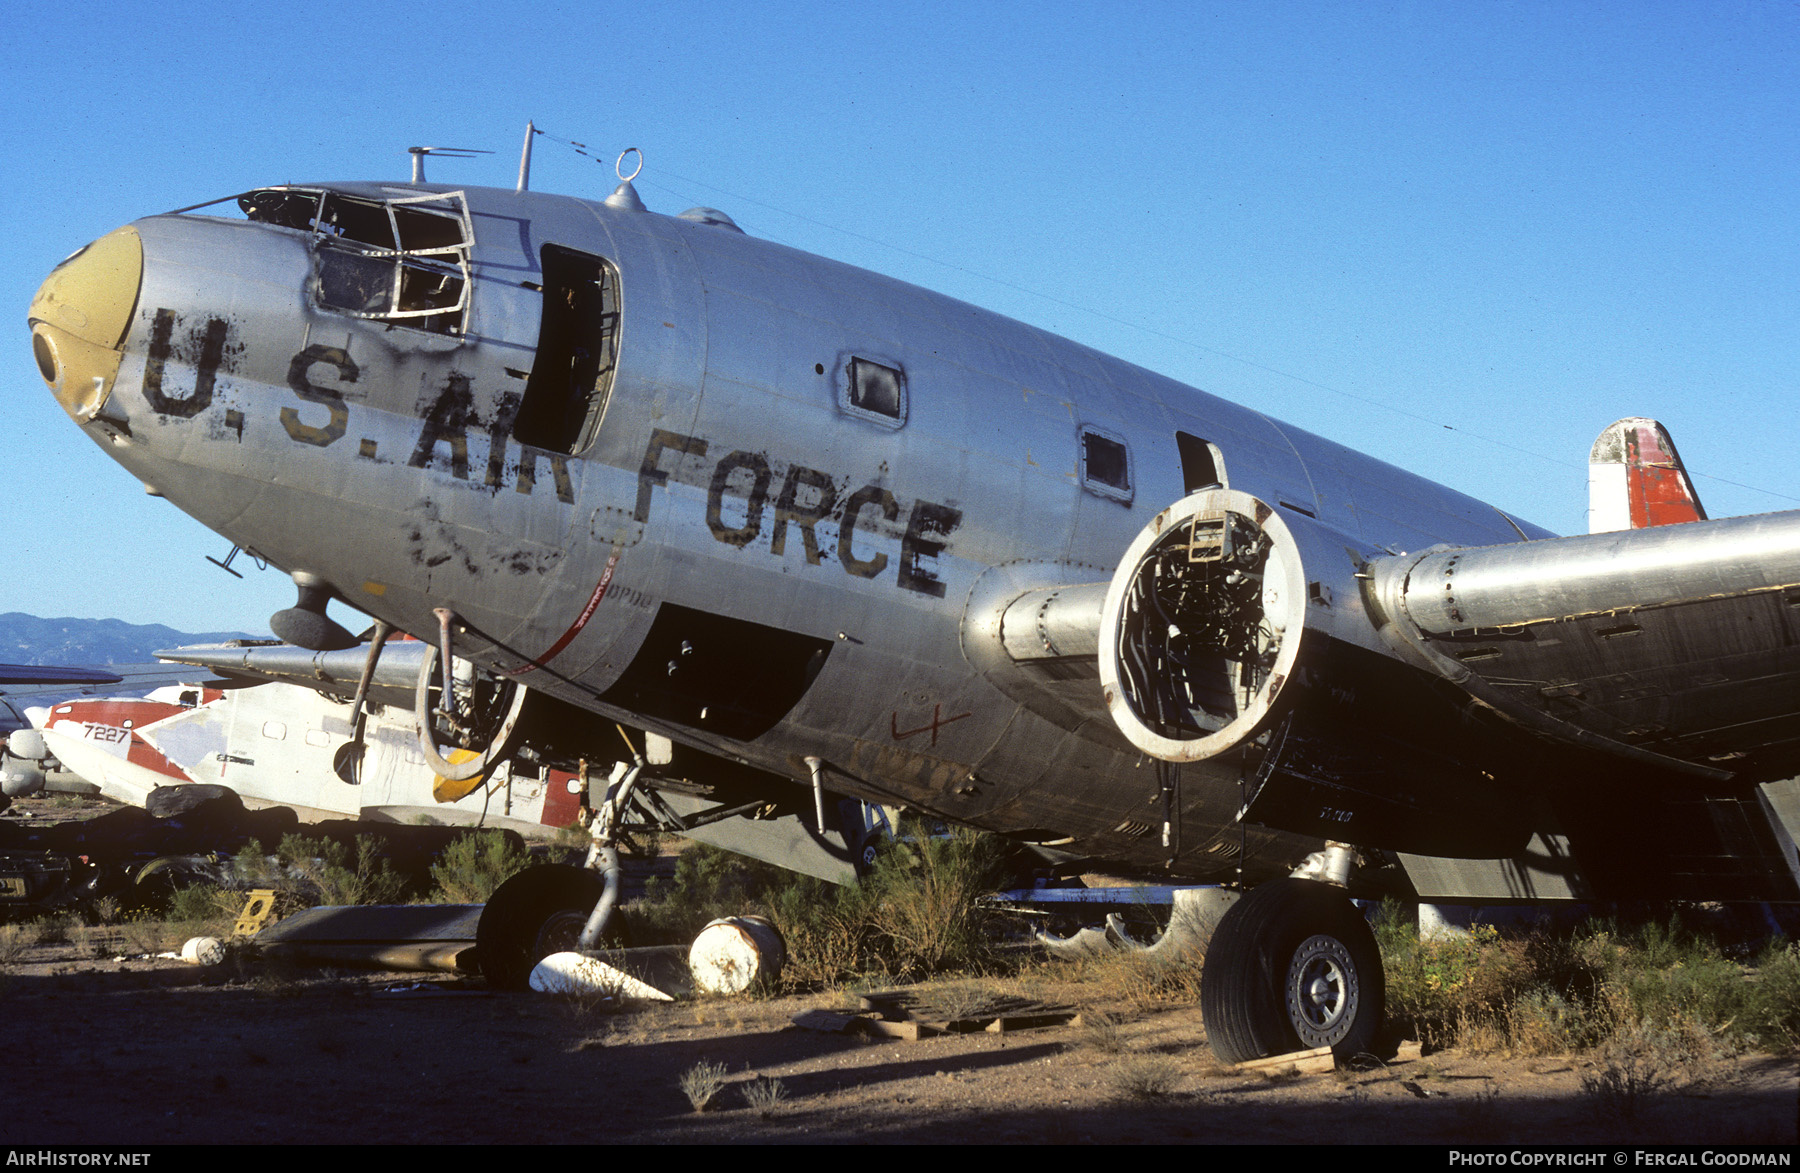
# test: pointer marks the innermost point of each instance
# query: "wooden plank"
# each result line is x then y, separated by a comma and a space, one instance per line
911, 1032
1313, 1062
1008, 1022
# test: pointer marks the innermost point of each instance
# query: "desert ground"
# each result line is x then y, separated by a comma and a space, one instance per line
110, 1045
154, 1051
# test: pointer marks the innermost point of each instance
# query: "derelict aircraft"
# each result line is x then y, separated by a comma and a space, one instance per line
746, 527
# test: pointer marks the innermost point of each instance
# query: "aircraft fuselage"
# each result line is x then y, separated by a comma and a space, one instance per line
739, 495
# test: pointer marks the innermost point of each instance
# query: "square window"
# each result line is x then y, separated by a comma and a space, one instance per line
1105, 465
876, 392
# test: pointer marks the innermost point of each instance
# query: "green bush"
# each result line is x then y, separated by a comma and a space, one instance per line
203, 902
1542, 992
927, 901
920, 912
708, 883
306, 872
474, 865
1771, 1021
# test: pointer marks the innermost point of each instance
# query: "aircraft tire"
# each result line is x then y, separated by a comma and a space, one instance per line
538, 912
864, 857
166, 802
1291, 967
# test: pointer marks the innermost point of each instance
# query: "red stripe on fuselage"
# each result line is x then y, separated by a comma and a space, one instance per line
581, 620
114, 713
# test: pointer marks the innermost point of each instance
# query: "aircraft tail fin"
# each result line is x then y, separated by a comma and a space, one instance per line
1636, 479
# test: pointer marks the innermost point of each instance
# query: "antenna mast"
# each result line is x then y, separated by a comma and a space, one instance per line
531, 132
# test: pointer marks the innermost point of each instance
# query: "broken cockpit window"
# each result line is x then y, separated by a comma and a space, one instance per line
404, 260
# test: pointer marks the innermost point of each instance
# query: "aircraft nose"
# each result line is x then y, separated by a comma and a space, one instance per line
79, 319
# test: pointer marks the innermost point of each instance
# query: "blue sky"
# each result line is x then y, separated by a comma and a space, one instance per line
1463, 237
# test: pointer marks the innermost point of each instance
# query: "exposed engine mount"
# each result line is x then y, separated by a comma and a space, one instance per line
1201, 626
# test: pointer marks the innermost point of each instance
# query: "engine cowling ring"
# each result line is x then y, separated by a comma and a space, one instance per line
1202, 625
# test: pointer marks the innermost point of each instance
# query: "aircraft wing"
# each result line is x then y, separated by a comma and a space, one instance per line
29, 685
1676, 645
46, 674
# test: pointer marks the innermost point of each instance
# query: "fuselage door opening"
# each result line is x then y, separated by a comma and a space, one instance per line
577, 351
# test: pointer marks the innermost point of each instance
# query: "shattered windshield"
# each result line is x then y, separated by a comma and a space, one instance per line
402, 260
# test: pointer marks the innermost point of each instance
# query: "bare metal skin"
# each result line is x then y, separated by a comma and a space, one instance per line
775, 509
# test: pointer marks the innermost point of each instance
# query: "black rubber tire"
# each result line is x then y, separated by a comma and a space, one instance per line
1292, 966
865, 855
538, 912
166, 802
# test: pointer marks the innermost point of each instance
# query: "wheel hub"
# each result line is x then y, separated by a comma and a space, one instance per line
1321, 991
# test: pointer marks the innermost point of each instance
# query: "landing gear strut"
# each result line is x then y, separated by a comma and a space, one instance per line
1292, 966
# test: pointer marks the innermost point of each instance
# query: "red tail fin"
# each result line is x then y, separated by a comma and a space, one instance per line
1636, 479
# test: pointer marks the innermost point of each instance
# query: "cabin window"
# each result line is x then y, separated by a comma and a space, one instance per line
578, 345
274, 730
1201, 464
1105, 464
874, 391
404, 260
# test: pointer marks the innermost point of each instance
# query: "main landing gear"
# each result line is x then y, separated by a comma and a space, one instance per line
538, 912
1292, 966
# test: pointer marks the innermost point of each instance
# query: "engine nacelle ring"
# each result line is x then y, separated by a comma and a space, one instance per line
1202, 625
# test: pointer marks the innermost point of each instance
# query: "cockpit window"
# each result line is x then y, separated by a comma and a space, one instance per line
404, 260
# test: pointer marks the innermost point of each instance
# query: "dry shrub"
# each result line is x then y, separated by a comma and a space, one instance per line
1642, 1061
150, 936
764, 1096
1103, 1032
50, 930
1543, 1022
1144, 1077
967, 1000
15, 944
1140, 980
702, 1082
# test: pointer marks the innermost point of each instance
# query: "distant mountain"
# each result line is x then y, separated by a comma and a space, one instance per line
27, 639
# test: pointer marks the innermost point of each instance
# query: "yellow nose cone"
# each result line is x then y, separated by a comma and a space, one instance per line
79, 319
